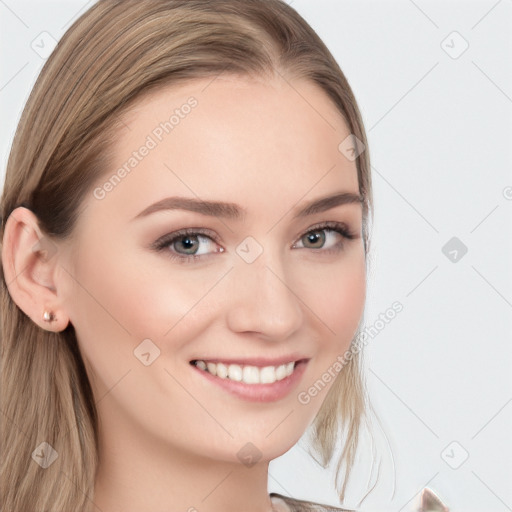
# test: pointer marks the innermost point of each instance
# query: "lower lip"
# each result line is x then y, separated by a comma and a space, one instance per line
258, 392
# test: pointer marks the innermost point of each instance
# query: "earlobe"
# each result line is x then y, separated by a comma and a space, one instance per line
29, 260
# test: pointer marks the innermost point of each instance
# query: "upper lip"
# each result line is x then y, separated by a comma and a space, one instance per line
254, 361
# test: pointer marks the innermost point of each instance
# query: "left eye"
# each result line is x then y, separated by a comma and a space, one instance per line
317, 238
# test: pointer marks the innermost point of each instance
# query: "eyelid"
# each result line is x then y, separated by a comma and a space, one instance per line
167, 238
333, 226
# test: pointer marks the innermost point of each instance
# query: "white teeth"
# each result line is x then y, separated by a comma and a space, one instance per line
235, 372
212, 368
281, 372
248, 374
201, 364
222, 370
251, 375
268, 375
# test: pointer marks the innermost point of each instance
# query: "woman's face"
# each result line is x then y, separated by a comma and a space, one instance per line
260, 284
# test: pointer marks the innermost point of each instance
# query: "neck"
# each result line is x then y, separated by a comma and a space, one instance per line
136, 474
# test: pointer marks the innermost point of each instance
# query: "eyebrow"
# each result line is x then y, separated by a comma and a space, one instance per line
236, 212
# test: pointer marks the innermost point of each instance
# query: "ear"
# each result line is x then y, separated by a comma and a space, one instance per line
29, 260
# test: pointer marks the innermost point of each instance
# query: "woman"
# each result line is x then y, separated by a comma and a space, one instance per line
185, 226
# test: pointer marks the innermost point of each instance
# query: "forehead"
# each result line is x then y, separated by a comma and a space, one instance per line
229, 138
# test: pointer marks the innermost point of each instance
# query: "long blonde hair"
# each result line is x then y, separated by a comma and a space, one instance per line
114, 52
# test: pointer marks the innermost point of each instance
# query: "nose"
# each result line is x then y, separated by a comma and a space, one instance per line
262, 299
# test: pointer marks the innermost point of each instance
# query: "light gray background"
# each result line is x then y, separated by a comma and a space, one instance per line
439, 127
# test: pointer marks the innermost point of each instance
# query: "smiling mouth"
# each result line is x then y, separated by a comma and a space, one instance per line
247, 373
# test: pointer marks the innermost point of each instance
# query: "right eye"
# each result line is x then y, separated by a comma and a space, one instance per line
187, 245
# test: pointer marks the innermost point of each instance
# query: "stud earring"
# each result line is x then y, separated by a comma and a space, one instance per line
48, 316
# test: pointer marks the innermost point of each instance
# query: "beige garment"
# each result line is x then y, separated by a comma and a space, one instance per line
430, 502
282, 503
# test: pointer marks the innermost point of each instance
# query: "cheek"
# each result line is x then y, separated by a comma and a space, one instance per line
348, 301
119, 302
338, 303
338, 299
114, 309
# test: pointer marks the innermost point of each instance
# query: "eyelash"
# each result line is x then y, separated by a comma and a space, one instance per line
167, 240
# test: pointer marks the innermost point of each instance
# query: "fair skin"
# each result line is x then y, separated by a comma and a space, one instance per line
169, 438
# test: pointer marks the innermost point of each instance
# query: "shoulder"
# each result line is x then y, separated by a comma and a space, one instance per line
287, 504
